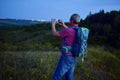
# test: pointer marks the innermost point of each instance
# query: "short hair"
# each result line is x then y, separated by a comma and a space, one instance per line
75, 18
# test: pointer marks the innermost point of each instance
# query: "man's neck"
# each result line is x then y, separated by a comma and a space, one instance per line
74, 25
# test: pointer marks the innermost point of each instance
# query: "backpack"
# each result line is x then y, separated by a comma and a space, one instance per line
79, 48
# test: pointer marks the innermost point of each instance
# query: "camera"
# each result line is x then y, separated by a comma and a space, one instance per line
59, 21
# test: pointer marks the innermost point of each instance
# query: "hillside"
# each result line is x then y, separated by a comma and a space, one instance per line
33, 37
30, 52
39, 65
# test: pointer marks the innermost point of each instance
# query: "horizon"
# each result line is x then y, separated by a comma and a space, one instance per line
47, 20
46, 10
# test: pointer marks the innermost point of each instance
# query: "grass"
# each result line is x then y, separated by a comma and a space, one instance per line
99, 65
39, 65
28, 65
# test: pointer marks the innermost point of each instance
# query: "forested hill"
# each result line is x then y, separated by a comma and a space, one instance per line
104, 30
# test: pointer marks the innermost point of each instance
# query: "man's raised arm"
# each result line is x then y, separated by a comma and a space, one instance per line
54, 31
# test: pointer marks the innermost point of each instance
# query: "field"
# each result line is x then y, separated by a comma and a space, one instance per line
39, 65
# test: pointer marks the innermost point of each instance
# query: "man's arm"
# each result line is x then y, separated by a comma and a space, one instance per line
54, 32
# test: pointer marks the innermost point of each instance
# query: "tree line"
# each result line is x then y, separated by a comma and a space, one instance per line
104, 28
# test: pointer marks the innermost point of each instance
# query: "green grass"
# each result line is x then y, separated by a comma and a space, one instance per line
39, 65
28, 65
99, 65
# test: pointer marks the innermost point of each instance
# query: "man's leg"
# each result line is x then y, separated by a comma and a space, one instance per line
61, 69
70, 73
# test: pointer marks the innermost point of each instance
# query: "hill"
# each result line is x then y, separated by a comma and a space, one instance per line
33, 37
18, 22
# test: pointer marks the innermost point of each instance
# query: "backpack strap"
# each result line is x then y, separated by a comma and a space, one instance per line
75, 27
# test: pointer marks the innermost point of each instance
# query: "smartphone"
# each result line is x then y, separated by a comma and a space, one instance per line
59, 21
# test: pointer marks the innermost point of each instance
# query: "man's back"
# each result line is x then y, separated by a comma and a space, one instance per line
68, 35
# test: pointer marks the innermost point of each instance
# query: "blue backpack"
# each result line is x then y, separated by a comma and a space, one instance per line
79, 48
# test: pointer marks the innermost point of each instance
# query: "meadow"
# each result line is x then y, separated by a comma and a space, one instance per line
40, 65
31, 52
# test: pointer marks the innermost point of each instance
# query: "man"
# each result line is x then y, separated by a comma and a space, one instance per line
67, 62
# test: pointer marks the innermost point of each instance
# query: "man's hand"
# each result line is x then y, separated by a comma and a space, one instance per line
53, 22
63, 24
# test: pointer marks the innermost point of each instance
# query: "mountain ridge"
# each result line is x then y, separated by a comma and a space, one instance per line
19, 22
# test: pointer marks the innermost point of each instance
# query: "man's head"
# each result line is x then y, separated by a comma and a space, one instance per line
74, 19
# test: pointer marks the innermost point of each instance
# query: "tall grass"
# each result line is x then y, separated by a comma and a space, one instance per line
37, 65
99, 65
28, 65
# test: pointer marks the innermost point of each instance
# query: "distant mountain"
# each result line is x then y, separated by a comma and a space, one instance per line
19, 22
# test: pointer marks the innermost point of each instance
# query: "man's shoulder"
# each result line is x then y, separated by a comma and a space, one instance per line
70, 29
66, 29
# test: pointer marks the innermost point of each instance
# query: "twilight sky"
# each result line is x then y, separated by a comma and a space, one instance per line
59, 9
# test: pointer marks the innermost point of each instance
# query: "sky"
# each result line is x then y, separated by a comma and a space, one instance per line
58, 9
